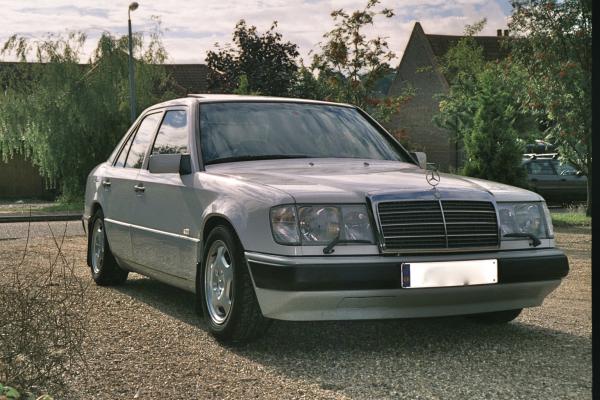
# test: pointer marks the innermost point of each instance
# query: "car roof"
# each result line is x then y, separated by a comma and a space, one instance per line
213, 97
221, 98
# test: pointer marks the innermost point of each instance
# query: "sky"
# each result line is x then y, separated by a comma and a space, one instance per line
191, 28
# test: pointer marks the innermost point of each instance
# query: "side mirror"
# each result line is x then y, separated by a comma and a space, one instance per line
420, 158
170, 164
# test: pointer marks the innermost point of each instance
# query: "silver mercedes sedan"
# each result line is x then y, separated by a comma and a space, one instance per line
272, 208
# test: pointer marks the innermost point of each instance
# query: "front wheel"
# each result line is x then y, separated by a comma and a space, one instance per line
225, 290
497, 317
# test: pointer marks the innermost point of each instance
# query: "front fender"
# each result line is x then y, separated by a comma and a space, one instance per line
246, 206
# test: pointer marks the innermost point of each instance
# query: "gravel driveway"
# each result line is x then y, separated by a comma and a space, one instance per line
146, 342
40, 229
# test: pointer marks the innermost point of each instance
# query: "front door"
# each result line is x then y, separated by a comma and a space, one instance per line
165, 232
574, 186
544, 179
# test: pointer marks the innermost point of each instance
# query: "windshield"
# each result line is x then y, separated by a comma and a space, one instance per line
260, 130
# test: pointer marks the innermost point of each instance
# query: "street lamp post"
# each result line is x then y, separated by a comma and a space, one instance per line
132, 7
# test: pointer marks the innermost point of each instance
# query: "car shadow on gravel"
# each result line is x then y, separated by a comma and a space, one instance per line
169, 300
435, 357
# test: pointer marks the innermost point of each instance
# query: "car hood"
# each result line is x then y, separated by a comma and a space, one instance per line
351, 180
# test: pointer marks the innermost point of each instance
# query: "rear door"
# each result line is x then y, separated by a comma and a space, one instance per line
543, 178
118, 187
165, 228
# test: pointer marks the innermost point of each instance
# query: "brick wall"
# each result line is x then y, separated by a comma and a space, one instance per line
415, 118
19, 179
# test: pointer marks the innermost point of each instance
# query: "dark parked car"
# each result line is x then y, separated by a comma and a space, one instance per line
540, 147
557, 181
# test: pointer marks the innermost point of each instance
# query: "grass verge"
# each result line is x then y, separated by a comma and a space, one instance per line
63, 207
569, 219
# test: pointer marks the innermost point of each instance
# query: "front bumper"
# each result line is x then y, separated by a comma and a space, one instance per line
369, 287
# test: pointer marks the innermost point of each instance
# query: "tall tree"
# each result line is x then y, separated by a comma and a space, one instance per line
553, 41
349, 65
460, 65
484, 109
267, 62
66, 117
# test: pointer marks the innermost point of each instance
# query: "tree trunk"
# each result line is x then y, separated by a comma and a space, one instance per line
588, 210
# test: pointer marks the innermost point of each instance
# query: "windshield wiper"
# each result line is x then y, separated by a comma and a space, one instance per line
255, 157
329, 248
534, 239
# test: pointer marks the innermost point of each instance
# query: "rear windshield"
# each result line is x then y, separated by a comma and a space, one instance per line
257, 130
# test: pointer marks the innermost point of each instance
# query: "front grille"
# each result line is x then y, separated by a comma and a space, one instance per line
435, 225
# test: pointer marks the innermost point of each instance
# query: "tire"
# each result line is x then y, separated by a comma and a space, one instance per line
225, 292
104, 267
497, 317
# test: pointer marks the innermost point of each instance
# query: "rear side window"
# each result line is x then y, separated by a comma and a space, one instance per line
172, 137
541, 167
142, 140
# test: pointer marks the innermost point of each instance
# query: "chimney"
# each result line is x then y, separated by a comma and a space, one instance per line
506, 32
499, 32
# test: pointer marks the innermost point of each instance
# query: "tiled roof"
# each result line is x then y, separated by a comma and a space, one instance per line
191, 77
492, 49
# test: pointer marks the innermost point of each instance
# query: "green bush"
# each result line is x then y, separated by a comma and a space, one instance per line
492, 144
9, 393
484, 109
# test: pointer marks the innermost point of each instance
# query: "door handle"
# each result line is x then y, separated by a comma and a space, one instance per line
139, 188
534, 180
106, 182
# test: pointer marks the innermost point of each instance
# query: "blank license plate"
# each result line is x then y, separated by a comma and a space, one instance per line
449, 273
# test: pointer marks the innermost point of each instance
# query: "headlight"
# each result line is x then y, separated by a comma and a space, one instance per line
356, 224
320, 224
532, 218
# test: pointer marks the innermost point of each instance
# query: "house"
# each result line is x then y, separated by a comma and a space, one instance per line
190, 78
20, 179
419, 69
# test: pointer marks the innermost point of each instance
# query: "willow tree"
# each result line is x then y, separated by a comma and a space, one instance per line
66, 117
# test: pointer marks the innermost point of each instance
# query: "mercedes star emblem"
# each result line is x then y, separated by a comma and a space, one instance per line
433, 177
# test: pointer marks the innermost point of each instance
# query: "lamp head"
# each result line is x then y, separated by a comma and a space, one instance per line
133, 6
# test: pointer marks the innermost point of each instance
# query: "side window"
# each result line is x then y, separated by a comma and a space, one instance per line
121, 160
565, 169
142, 140
172, 137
